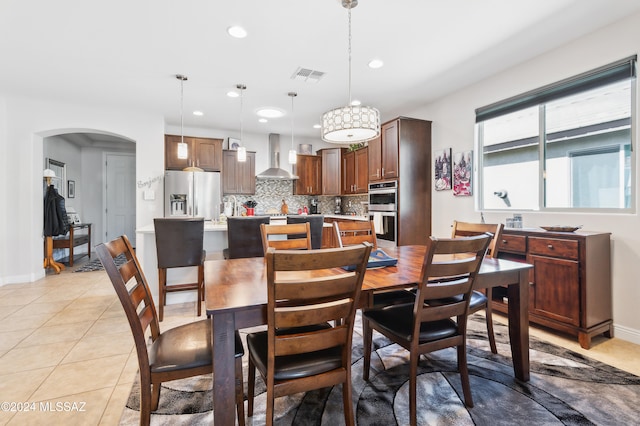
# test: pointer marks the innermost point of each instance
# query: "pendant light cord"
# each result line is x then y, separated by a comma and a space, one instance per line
181, 110
349, 53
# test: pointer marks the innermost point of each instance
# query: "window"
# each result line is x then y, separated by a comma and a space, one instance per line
565, 146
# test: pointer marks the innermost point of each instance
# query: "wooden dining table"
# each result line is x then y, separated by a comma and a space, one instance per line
236, 298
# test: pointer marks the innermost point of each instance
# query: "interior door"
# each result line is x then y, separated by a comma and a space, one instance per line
120, 193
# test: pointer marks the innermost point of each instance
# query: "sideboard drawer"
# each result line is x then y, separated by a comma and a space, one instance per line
513, 243
566, 249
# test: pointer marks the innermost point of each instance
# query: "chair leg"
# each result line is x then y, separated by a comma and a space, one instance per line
413, 379
155, 395
488, 313
239, 391
145, 401
347, 400
464, 375
251, 383
200, 281
270, 400
366, 334
162, 282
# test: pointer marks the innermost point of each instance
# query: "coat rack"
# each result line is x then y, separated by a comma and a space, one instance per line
49, 262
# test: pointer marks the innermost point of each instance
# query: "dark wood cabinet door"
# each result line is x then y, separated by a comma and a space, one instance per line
208, 154
361, 180
348, 173
238, 177
331, 171
309, 174
556, 288
390, 150
171, 160
375, 159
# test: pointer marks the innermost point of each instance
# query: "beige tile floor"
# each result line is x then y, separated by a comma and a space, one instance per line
67, 352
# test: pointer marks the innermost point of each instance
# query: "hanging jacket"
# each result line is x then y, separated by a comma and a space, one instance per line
56, 221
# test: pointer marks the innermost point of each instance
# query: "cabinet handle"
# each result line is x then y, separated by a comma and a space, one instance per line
505, 242
383, 172
550, 247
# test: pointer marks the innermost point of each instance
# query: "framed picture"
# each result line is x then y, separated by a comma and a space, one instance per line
462, 173
71, 189
305, 148
442, 169
234, 144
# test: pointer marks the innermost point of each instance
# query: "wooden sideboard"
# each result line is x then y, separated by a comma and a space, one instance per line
570, 284
74, 239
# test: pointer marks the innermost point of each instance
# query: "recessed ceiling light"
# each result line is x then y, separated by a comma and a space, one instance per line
233, 94
237, 31
356, 102
316, 126
198, 113
376, 63
263, 120
270, 112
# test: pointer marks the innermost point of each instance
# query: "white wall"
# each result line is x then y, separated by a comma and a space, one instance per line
25, 122
453, 126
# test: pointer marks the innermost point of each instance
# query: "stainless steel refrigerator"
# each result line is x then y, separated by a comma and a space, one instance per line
192, 194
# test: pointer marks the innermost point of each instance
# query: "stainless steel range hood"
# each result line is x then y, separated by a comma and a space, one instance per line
274, 171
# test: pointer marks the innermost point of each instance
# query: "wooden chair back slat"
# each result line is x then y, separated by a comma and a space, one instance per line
317, 287
298, 236
310, 342
287, 317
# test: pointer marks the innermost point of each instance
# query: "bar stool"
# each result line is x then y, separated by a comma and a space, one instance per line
179, 244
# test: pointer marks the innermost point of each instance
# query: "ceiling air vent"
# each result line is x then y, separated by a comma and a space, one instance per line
305, 74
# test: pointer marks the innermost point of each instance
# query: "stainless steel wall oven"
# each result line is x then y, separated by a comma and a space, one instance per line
383, 201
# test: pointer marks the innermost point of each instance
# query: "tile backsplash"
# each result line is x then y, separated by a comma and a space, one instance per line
270, 193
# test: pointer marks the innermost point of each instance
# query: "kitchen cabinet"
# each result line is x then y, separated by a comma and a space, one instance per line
238, 177
412, 141
332, 171
383, 153
205, 153
308, 168
355, 167
570, 284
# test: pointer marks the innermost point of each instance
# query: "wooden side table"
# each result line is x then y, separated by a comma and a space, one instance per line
73, 240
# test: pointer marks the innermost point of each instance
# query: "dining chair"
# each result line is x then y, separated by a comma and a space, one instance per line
356, 232
310, 315
421, 328
286, 236
243, 236
179, 244
479, 299
316, 222
178, 353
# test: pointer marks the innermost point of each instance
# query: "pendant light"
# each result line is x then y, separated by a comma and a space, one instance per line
350, 123
242, 151
293, 155
183, 152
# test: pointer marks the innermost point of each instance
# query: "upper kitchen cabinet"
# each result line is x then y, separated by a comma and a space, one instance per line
383, 153
205, 153
238, 177
355, 172
308, 168
332, 171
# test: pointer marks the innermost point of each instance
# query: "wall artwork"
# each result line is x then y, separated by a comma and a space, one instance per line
442, 169
462, 173
234, 144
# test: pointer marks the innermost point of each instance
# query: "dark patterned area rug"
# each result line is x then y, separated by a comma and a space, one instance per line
566, 388
96, 265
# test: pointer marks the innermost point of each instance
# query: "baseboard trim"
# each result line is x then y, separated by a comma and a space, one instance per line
625, 333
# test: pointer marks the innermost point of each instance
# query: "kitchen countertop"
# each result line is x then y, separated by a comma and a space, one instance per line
210, 226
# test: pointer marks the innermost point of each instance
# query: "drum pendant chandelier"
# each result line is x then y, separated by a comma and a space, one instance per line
350, 124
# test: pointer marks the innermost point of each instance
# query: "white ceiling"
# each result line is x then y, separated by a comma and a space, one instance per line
127, 53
